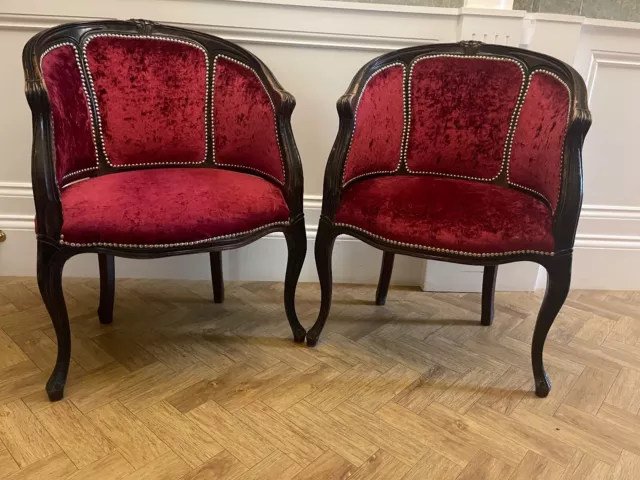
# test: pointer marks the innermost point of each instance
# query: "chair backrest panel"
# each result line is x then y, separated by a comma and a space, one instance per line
376, 143
151, 95
74, 146
538, 143
461, 112
135, 94
244, 120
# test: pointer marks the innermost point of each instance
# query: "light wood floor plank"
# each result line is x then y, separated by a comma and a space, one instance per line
112, 467
57, 466
468, 389
431, 385
241, 441
566, 432
299, 387
374, 429
281, 433
23, 435
180, 387
326, 431
434, 466
129, 435
167, 467
625, 391
78, 437
329, 466
430, 435
485, 467
381, 465
541, 443
590, 390
276, 466
535, 467
584, 467
627, 468
223, 466
180, 434
384, 388
476, 434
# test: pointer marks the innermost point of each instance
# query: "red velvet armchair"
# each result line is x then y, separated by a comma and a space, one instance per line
466, 153
152, 141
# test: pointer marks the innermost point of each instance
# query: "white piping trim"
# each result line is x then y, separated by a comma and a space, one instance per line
564, 136
169, 245
442, 250
512, 122
86, 93
95, 97
355, 118
275, 121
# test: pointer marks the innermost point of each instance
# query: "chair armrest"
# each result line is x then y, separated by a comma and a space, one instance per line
43, 176
284, 104
346, 106
567, 214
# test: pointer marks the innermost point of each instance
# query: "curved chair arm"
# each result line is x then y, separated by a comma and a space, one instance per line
284, 103
45, 189
346, 106
565, 221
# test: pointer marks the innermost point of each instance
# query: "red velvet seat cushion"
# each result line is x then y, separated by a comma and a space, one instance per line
168, 205
444, 213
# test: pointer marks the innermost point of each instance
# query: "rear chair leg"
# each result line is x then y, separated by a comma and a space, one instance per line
385, 278
488, 294
107, 287
217, 280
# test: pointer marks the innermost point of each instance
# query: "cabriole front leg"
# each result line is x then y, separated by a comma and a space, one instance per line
297, 246
323, 250
50, 264
558, 283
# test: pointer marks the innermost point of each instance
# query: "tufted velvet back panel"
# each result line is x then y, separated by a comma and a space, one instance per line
244, 121
461, 110
152, 98
538, 144
159, 100
70, 115
376, 143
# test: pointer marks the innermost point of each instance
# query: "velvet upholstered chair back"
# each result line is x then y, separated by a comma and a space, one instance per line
126, 95
471, 111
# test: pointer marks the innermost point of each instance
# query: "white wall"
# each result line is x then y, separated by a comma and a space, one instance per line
315, 48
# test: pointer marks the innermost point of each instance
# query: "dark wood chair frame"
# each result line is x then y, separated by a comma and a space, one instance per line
52, 255
565, 220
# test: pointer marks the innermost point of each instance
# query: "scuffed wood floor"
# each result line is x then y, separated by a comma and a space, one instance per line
180, 388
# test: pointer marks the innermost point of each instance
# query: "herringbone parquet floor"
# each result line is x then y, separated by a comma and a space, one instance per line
180, 388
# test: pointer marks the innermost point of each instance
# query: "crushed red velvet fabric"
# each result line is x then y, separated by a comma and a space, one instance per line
377, 140
538, 144
244, 123
74, 148
168, 205
459, 215
152, 97
460, 114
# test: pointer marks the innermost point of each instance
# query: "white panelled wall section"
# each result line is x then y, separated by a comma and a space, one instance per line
315, 48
